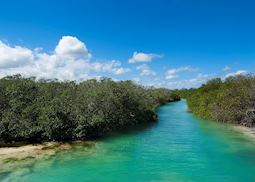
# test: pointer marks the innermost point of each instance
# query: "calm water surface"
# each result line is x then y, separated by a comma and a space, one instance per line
179, 148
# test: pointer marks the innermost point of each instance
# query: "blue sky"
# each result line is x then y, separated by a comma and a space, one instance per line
172, 43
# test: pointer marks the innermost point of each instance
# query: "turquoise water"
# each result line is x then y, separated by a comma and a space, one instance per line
179, 148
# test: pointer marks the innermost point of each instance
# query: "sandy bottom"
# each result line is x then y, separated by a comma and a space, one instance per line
22, 152
245, 130
11, 157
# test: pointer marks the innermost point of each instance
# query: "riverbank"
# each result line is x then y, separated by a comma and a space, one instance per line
19, 151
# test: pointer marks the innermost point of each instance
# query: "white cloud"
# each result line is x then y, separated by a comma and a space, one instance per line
143, 57
189, 83
172, 73
71, 60
71, 47
238, 72
14, 56
112, 67
157, 82
170, 76
199, 79
145, 70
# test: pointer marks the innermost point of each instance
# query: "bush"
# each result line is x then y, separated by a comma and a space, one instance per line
48, 110
228, 101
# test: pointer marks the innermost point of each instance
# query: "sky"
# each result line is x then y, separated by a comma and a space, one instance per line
161, 43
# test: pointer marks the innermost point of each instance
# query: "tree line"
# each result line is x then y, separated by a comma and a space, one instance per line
48, 110
230, 101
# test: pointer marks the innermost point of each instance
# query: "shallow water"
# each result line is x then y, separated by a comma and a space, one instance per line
179, 148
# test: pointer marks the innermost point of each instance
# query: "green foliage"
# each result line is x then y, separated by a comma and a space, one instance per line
48, 110
229, 101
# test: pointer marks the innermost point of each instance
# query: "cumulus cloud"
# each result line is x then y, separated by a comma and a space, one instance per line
71, 47
145, 70
143, 57
172, 73
14, 56
70, 60
238, 72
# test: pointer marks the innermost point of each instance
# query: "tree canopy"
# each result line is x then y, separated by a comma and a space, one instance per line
230, 101
49, 110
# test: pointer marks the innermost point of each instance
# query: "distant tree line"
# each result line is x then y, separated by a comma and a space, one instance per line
230, 101
49, 110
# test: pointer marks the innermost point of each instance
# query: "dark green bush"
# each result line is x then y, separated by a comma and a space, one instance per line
228, 101
48, 110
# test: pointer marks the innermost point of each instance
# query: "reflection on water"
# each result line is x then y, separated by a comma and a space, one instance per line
179, 148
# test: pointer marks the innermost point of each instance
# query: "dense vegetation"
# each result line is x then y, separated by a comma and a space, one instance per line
48, 110
231, 100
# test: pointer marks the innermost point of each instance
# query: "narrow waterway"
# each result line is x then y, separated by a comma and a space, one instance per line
179, 148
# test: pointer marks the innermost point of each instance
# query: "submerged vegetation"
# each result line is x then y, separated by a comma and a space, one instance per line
49, 110
230, 101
